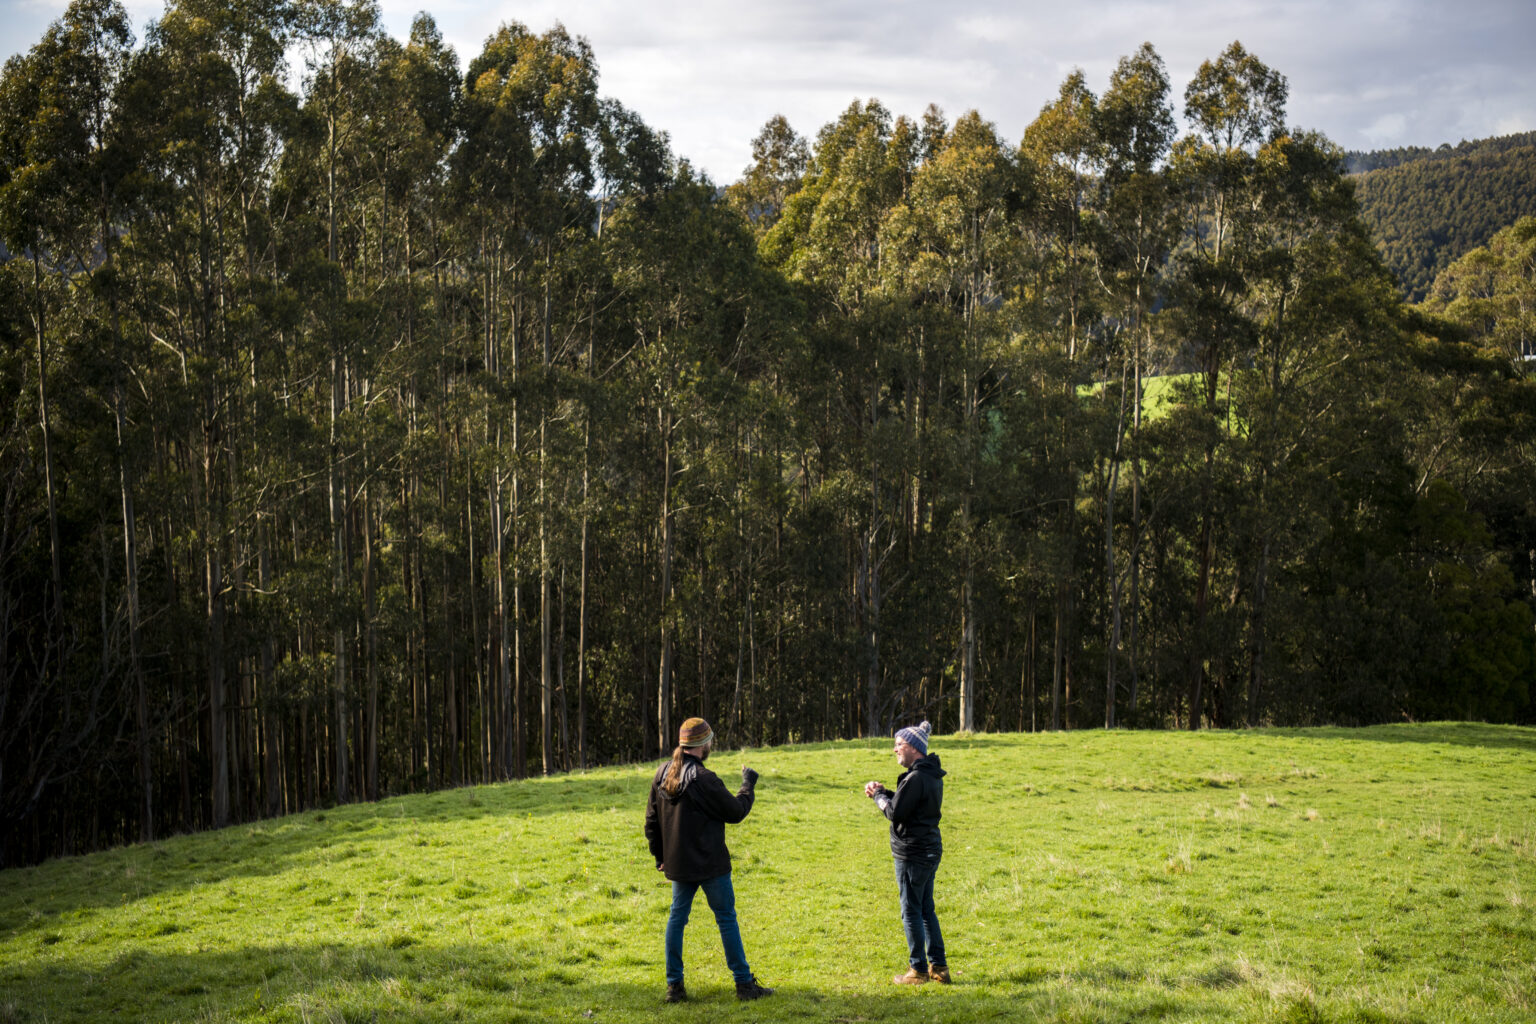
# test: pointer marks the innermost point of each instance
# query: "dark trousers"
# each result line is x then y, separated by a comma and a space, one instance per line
914, 878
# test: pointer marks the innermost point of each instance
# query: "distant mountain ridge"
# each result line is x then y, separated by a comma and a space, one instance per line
1358, 161
1426, 207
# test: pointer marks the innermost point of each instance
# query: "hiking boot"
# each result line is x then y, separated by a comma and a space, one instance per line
676, 993
939, 973
750, 989
912, 977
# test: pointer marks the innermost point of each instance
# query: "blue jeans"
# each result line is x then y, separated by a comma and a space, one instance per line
722, 900
914, 877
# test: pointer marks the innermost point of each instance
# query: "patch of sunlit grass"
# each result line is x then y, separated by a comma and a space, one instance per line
1087, 877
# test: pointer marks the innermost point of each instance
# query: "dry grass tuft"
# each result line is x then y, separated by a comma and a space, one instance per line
1284, 990
1311, 814
1181, 861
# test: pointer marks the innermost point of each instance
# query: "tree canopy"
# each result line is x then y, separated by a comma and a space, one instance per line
416, 425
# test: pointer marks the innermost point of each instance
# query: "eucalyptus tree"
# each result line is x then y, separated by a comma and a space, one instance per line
34, 700
959, 248
64, 188
531, 115
1136, 230
684, 267
419, 89
210, 76
28, 703
38, 136
1064, 150
830, 239
780, 158
559, 79
1311, 283
1492, 292
341, 39
631, 163
1235, 103
95, 56
1476, 422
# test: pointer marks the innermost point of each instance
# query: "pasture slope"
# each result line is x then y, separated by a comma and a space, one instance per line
1321, 875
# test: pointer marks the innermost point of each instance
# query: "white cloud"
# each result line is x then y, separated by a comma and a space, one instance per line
1371, 73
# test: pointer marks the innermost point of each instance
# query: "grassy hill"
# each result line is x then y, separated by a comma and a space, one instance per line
1385, 874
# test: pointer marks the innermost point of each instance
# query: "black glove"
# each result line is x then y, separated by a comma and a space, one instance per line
748, 777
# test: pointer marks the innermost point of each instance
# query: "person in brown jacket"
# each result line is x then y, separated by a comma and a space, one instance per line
685, 819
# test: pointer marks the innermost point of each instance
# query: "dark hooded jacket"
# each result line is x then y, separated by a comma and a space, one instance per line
914, 809
686, 830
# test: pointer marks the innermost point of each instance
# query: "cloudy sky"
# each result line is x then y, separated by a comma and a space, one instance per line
1369, 74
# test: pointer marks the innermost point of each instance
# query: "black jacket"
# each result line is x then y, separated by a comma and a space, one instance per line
687, 831
914, 809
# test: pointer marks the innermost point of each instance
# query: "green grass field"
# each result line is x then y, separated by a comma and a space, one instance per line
1384, 874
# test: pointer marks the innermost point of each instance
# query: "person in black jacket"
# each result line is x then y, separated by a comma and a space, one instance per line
685, 819
917, 848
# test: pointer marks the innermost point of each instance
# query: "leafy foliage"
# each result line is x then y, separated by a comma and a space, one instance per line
414, 428
1430, 207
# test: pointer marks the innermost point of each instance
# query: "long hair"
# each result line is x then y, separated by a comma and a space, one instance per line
673, 780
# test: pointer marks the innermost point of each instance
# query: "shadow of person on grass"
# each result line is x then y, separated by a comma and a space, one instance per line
400, 978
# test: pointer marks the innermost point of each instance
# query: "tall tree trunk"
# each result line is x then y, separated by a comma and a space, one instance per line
1057, 643
968, 650
1257, 627
125, 483
565, 726
271, 719
869, 592
1134, 639
581, 627
39, 320
546, 665
664, 675
1197, 645
213, 582
967, 512
370, 639
1111, 573
514, 717
339, 649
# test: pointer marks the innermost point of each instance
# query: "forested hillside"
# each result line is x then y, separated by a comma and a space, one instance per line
1426, 207
1358, 162
437, 423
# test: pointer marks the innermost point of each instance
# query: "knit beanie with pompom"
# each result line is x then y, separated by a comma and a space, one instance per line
916, 736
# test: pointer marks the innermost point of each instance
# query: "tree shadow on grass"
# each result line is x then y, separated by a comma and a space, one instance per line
274, 846
401, 979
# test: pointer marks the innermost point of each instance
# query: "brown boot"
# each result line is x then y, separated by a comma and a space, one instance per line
938, 973
750, 989
912, 977
676, 993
